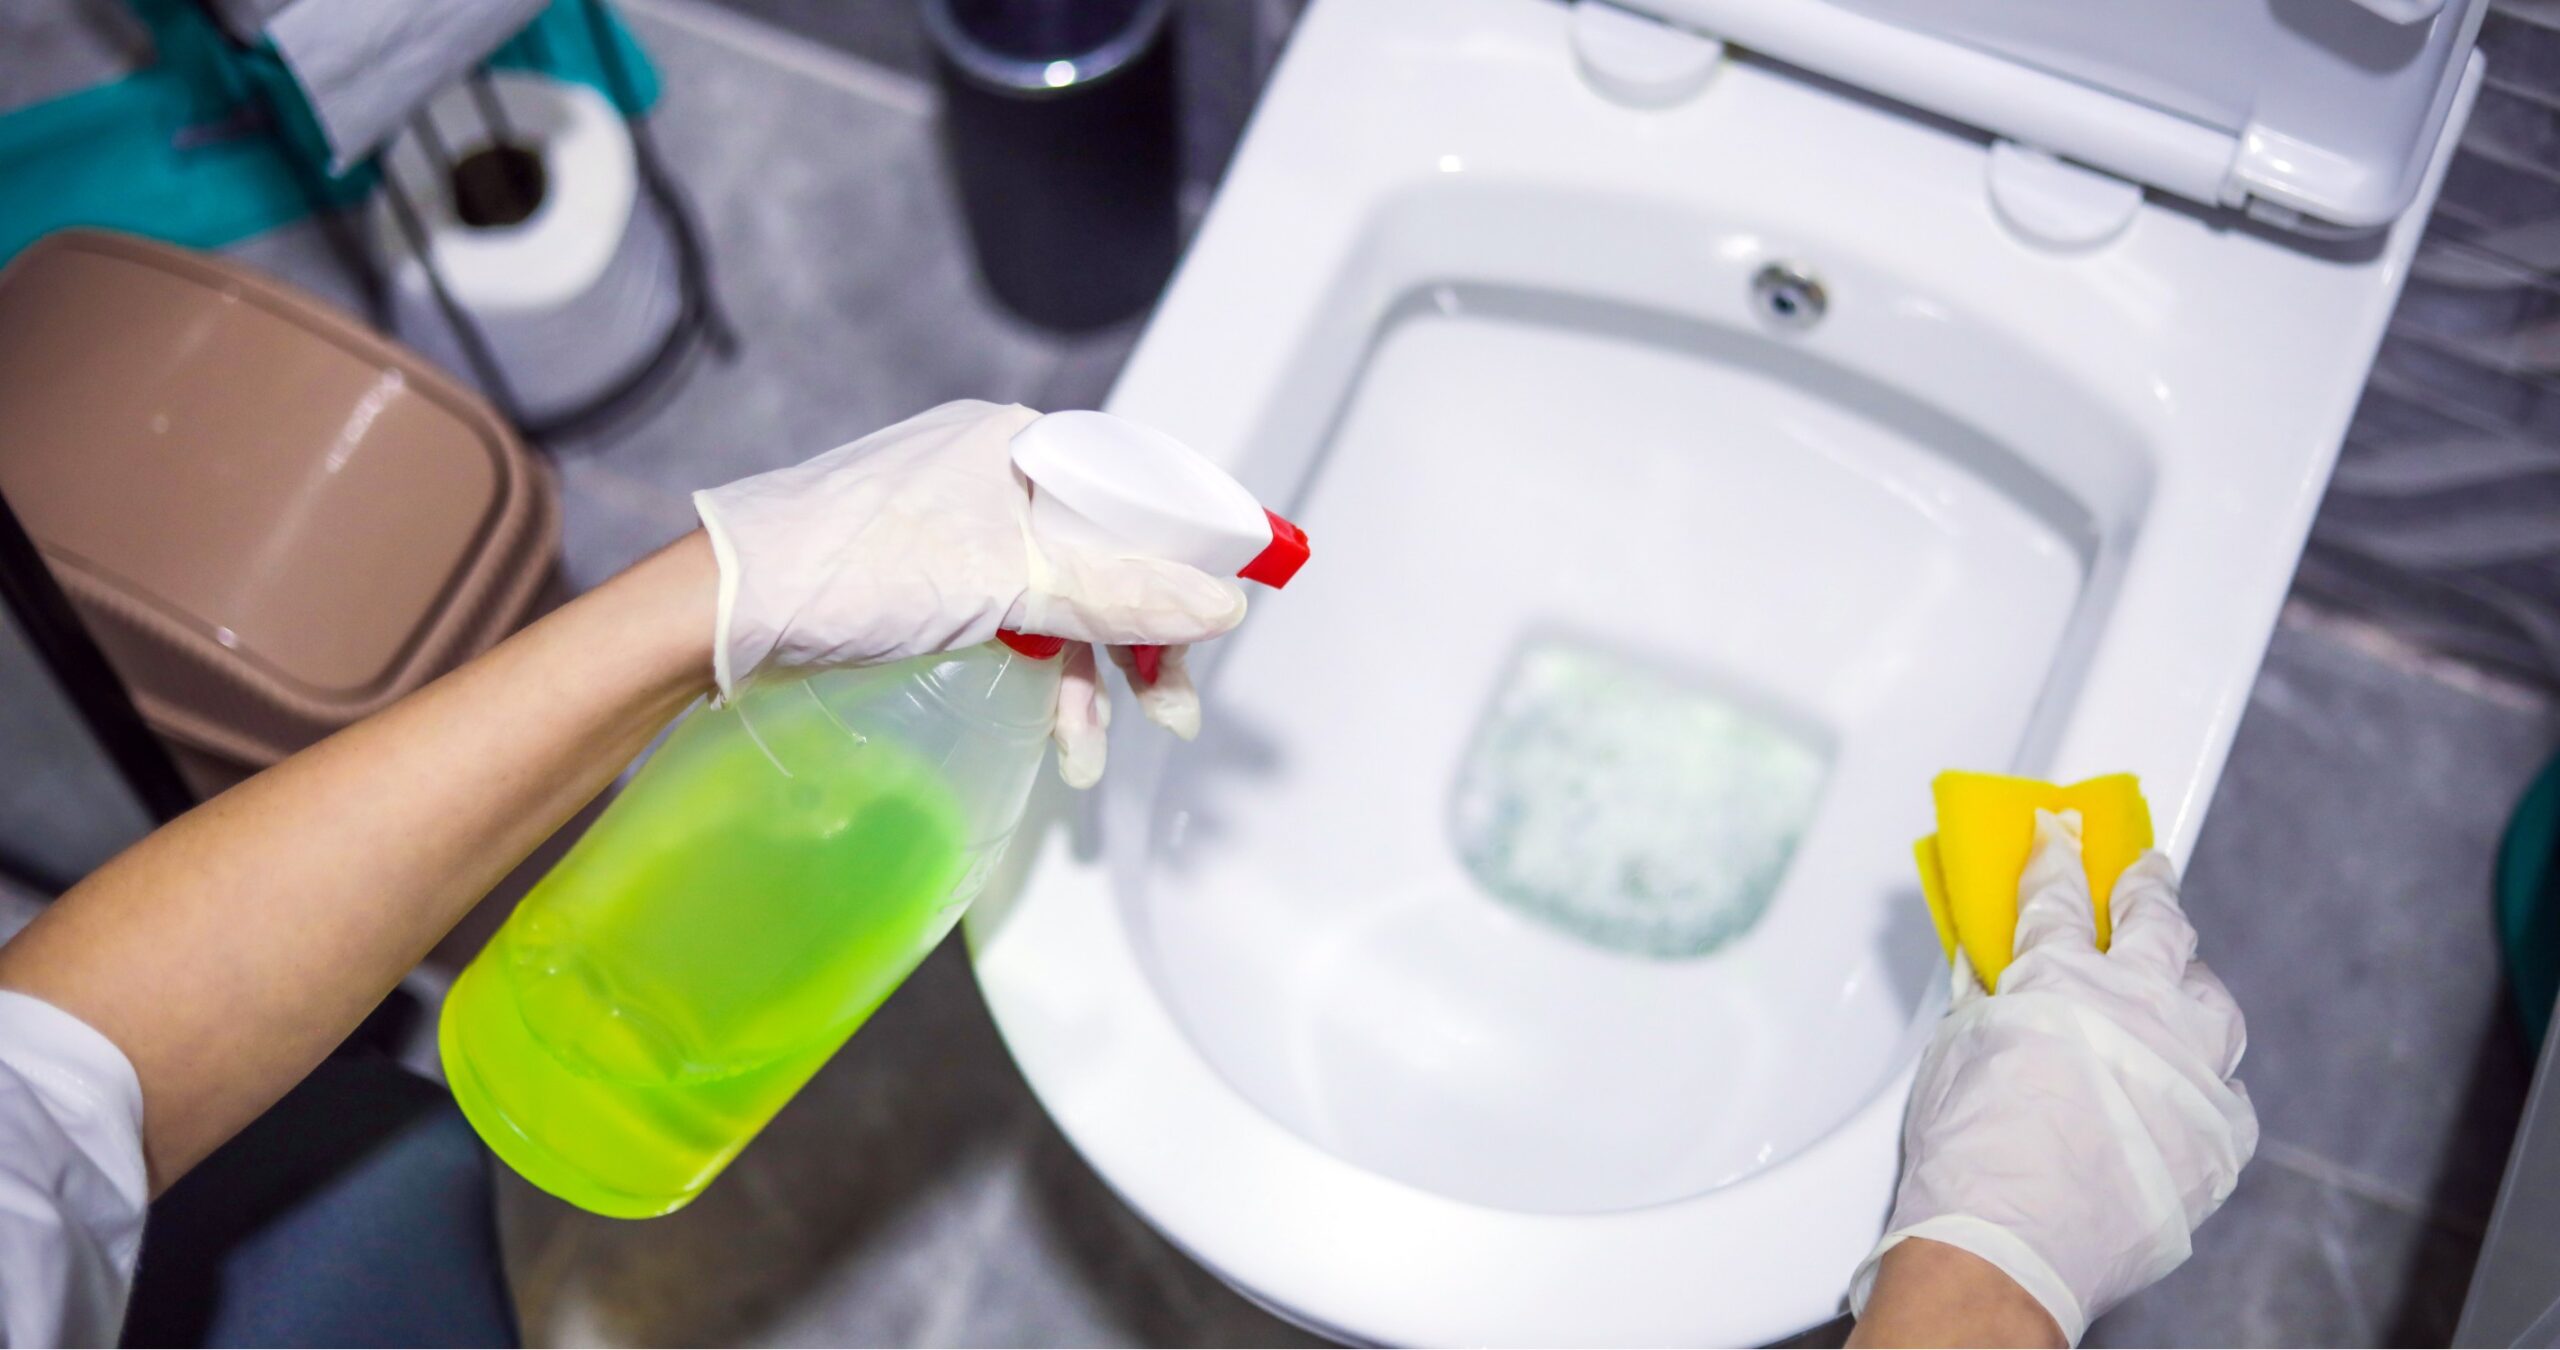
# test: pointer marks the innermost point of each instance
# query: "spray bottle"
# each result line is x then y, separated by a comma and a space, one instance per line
783, 862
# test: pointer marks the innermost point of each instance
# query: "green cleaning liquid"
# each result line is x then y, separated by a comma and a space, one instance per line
782, 863
771, 875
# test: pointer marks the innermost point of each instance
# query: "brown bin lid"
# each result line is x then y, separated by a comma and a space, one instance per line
181, 435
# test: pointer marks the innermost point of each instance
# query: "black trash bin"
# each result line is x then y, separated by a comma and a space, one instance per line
1060, 122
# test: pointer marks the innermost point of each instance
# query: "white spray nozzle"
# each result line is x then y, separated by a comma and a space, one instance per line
1103, 482
1110, 484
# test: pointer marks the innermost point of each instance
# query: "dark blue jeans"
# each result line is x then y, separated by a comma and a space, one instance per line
356, 1212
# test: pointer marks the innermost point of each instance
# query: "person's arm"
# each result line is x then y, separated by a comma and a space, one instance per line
1930, 1294
227, 953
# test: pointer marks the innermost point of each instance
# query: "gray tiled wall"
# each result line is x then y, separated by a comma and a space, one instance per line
2444, 517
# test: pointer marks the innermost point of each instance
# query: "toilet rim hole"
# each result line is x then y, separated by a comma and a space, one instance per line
1789, 296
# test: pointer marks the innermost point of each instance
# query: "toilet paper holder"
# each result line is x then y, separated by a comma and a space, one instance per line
496, 180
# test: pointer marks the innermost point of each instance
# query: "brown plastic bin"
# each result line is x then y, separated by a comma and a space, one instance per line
275, 520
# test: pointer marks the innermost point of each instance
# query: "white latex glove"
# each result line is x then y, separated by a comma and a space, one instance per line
1169, 700
2074, 1128
917, 539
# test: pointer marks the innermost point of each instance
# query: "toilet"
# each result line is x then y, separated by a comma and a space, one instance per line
1950, 385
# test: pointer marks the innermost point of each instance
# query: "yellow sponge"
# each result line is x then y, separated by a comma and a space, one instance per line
1969, 869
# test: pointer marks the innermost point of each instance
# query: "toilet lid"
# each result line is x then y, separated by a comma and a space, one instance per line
2313, 114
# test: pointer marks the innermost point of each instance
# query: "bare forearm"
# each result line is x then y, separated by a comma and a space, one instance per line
1931, 1294
230, 950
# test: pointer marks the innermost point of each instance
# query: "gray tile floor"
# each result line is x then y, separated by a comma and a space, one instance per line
1221, 49
2341, 887
916, 1193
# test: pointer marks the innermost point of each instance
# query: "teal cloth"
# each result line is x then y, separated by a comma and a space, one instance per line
182, 151
2528, 886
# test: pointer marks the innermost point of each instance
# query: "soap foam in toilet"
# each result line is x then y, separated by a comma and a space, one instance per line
1632, 810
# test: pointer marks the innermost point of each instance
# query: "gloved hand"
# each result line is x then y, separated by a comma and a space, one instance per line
2074, 1128
917, 539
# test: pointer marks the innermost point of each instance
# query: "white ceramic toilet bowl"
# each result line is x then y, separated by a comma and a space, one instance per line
1493, 339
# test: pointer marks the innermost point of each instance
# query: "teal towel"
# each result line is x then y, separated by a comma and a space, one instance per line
182, 151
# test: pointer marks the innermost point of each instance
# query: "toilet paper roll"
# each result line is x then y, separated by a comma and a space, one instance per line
571, 298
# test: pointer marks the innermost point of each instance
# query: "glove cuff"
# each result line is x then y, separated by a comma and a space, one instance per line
724, 673
1994, 1244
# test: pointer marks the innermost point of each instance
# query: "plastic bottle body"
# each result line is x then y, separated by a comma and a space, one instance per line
771, 875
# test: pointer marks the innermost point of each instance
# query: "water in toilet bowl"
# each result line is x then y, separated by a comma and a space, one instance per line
1628, 807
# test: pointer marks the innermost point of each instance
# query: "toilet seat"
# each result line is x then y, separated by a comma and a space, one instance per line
2315, 116
2190, 381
